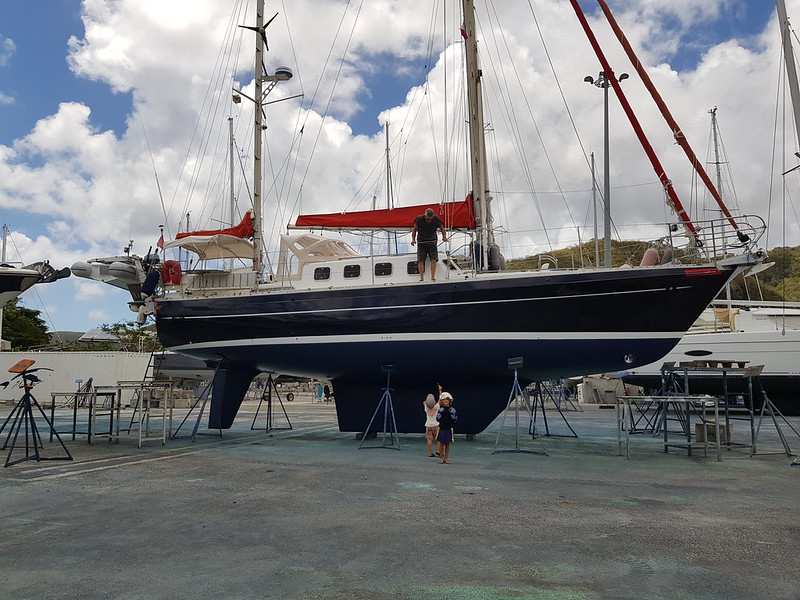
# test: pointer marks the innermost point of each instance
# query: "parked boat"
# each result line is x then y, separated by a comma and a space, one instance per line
330, 313
738, 332
15, 280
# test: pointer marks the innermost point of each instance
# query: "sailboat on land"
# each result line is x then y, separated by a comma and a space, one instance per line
328, 312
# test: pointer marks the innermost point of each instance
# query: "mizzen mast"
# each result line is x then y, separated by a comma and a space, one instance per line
261, 77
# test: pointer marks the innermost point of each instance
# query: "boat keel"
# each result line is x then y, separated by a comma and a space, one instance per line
229, 386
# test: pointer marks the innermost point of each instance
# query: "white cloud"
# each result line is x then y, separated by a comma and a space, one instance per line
7, 49
86, 290
100, 316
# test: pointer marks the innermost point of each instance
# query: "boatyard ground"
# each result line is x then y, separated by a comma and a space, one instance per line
305, 513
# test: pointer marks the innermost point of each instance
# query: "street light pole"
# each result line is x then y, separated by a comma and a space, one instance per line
604, 83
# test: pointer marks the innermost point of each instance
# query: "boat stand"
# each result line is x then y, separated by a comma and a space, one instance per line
676, 380
561, 396
517, 399
541, 393
768, 408
267, 395
389, 424
201, 400
22, 415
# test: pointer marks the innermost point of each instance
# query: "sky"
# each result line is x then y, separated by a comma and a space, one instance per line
114, 120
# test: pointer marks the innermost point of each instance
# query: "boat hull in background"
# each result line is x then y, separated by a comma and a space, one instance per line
14, 281
777, 351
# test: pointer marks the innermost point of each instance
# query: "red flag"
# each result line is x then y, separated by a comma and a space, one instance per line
160, 243
464, 33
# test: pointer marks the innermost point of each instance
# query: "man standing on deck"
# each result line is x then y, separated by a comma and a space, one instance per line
426, 226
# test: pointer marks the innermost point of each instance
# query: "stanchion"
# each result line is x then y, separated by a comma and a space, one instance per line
389, 423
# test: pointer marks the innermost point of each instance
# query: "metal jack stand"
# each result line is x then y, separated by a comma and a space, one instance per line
268, 389
517, 398
389, 428
768, 408
539, 393
23, 414
204, 398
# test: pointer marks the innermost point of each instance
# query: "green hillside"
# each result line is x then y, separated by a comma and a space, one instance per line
780, 282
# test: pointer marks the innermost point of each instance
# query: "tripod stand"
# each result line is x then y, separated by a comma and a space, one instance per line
389, 428
23, 415
517, 398
269, 389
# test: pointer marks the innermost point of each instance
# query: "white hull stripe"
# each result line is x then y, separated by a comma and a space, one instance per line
408, 306
474, 337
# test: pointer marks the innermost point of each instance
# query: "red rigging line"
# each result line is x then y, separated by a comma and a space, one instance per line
680, 138
648, 148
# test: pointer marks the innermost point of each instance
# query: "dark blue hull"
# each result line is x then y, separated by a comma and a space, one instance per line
457, 333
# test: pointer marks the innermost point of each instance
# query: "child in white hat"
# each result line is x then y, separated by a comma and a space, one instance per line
447, 418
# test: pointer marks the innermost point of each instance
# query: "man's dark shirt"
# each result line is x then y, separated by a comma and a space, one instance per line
426, 230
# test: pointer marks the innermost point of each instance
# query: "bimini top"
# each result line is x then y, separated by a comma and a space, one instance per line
220, 245
212, 244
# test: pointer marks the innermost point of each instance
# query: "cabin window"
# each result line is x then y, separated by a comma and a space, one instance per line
322, 273
383, 269
352, 271
412, 268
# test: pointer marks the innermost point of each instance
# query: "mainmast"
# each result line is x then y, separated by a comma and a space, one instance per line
259, 84
480, 179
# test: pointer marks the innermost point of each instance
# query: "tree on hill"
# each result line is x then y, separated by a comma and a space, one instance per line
23, 327
780, 282
131, 338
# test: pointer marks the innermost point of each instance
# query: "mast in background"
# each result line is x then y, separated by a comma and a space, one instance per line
788, 59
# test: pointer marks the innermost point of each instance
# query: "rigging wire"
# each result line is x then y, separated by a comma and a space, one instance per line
333, 87
155, 172
200, 138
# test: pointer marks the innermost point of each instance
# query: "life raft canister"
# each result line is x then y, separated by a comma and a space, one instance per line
150, 283
171, 272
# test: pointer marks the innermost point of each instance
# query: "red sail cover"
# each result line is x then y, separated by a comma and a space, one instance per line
242, 230
454, 215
